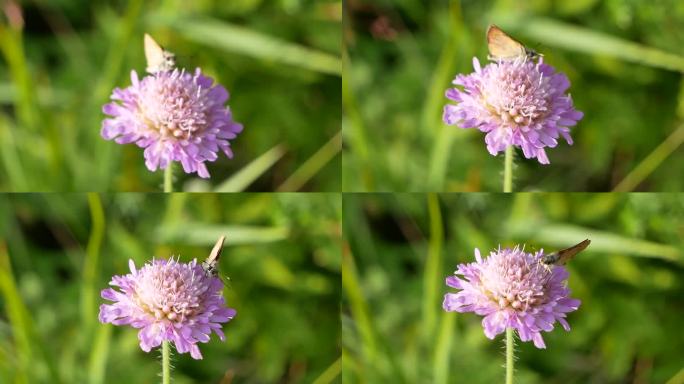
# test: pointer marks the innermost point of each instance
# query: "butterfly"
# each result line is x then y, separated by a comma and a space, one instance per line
503, 47
564, 255
158, 59
210, 265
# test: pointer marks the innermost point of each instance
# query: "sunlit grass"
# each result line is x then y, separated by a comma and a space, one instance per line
401, 247
395, 79
281, 264
282, 71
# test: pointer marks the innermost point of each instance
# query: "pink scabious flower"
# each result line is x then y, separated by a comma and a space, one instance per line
175, 116
512, 289
168, 301
516, 102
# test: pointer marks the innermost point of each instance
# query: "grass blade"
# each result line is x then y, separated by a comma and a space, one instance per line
678, 378
10, 157
18, 316
652, 161
332, 372
444, 135
97, 363
246, 176
443, 348
582, 39
12, 46
35, 360
206, 235
92, 262
432, 277
114, 58
45, 96
111, 71
354, 126
314, 164
561, 235
359, 308
233, 38
655, 158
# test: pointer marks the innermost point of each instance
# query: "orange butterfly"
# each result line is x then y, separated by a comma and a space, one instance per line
158, 59
503, 47
564, 255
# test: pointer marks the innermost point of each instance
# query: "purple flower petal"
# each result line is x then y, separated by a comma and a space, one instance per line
168, 300
518, 102
512, 289
164, 112
538, 340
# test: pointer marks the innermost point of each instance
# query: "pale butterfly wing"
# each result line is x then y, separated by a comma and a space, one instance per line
158, 59
211, 263
504, 47
564, 255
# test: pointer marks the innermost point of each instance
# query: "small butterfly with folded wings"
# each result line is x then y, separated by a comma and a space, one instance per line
210, 265
564, 255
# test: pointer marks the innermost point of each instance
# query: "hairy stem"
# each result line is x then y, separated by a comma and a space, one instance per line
508, 170
168, 178
166, 363
509, 355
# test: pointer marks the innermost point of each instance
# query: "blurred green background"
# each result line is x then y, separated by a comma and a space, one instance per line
401, 248
282, 258
60, 60
624, 60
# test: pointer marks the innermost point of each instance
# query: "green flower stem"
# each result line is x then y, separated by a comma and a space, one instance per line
168, 178
509, 355
508, 170
166, 363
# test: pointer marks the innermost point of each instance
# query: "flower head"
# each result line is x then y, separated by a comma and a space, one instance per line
168, 301
175, 116
516, 102
512, 289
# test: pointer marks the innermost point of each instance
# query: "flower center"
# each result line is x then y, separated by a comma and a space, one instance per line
172, 293
516, 93
514, 282
174, 106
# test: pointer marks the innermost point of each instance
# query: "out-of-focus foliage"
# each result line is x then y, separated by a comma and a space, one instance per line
624, 60
281, 259
60, 60
401, 247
